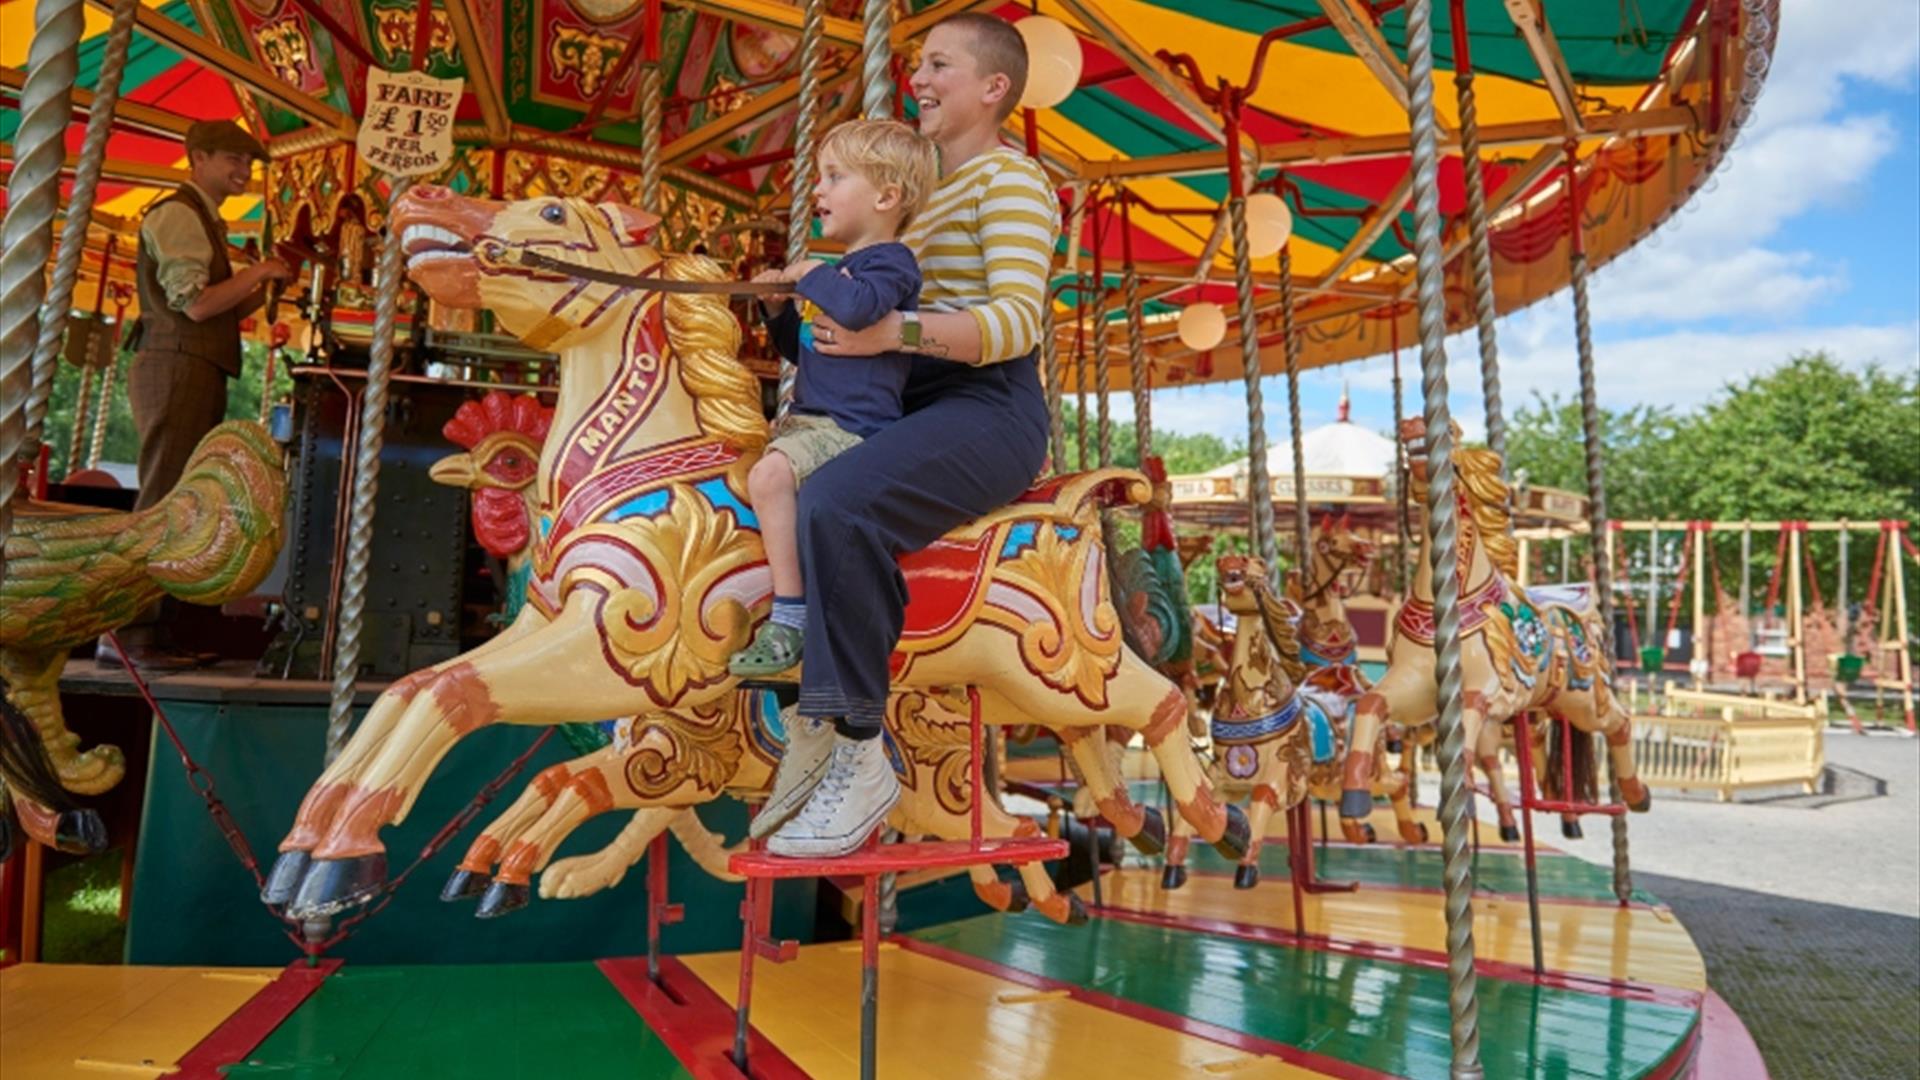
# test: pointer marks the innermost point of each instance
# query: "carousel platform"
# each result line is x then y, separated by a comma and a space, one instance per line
1203, 981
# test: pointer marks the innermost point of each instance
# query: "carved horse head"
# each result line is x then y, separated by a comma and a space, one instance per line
1486, 543
1265, 664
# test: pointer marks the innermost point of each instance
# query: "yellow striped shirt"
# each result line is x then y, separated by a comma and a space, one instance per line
985, 244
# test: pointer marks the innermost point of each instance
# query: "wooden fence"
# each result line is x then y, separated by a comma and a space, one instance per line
1724, 743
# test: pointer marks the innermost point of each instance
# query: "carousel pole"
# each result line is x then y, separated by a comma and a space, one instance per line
651, 107
26, 237
1597, 526
1137, 375
800, 215
1302, 527
876, 94
1480, 250
79, 215
102, 413
1102, 371
1259, 485
366, 482
1442, 524
82, 402
1402, 510
1080, 370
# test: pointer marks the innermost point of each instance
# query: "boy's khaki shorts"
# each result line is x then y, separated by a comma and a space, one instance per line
810, 442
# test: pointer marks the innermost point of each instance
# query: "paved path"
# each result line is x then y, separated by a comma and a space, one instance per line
1807, 908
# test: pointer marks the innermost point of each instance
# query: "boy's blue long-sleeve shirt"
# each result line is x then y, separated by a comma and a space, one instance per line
859, 393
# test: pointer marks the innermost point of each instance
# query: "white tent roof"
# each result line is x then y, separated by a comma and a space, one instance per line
1341, 448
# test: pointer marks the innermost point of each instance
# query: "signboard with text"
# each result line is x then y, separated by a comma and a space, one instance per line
408, 128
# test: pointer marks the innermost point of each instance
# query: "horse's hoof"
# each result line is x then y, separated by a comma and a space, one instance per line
1569, 828
502, 899
1509, 833
284, 879
1172, 877
80, 832
1152, 837
1413, 832
1237, 838
1394, 746
1636, 794
1076, 911
1017, 898
464, 885
1245, 876
1355, 831
334, 885
1355, 803
1371, 833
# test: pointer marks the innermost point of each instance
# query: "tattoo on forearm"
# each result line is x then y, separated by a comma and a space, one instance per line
932, 346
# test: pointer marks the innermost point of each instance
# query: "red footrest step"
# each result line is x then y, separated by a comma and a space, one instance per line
894, 858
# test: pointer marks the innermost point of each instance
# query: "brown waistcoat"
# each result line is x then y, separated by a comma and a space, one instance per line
166, 332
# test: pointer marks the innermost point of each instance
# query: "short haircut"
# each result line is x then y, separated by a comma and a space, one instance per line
998, 49
888, 152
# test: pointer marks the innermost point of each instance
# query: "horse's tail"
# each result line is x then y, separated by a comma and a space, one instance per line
1564, 739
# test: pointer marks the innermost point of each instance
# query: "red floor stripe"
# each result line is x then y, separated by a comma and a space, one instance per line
1429, 890
694, 1022
250, 1025
1426, 958
1186, 1025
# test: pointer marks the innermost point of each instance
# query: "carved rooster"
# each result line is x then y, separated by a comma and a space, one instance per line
74, 573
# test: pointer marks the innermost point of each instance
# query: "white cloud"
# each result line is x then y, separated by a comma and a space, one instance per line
1822, 44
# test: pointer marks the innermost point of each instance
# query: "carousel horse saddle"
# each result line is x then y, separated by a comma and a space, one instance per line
946, 577
1320, 711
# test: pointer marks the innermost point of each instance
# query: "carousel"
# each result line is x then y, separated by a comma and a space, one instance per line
496, 487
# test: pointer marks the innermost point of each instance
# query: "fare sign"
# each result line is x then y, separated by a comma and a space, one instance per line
408, 129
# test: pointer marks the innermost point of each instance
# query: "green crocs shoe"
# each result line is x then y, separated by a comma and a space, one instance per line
775, 648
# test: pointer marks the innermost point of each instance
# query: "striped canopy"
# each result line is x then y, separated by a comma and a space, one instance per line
1646, 93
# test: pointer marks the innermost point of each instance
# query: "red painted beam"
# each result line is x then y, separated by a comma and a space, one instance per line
239, 1034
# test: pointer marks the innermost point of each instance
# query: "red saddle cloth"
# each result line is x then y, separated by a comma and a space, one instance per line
944, 578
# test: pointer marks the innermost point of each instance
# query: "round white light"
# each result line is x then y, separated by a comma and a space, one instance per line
1269, 224
1053, 61
1202, 325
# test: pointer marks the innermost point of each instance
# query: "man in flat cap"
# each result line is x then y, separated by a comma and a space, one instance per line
191, 303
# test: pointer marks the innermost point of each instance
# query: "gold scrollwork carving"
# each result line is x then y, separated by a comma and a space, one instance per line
699, 746
1066, 652
935, 740
585, 55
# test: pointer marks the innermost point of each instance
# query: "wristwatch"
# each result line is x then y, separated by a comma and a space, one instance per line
910, 331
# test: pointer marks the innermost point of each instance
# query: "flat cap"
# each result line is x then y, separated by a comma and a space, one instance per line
217, 136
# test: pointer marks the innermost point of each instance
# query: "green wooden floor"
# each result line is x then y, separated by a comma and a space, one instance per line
1500, 870
1387, 1016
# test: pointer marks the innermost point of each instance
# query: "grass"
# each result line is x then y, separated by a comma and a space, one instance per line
82, 914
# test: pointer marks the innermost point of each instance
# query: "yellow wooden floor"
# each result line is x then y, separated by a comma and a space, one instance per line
1639, 944
71, 1020
931, 1015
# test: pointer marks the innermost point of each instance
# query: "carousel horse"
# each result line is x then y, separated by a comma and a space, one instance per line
1535, 650
1272, 738
503, 435
648, 572
76, 572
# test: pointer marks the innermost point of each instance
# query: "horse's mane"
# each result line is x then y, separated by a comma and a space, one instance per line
1478, 472
706, 342
1273, 612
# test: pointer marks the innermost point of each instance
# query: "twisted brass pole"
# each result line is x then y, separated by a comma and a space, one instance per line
1137, 367
876, 86
1050, 366
103, 413
1302, 528
1259, 485
1596, 490
26, 237
366, 481
73, 235
1442, 524
1102, 379
82, 401
651, 107
806, 121
1479, 248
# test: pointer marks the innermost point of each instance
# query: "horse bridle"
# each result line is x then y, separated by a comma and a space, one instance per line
1346, 561
533, 260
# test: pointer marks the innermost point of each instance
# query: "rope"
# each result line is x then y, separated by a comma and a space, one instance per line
1695, 535
876, 97
1779, 564
806, 121
58, 305
1879, 565
202, 783
1442, 528
1596, 489
26, 237
1302, 529
1633, 620
103, 412
1259, 486
1806, 561
366, 485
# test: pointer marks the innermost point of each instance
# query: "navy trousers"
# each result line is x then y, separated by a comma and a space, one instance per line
971, 441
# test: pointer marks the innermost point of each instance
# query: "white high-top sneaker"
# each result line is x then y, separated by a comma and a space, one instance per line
851, 801
809, 748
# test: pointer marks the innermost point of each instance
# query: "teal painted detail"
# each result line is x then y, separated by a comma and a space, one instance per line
1380, 1014
1068, 533
526, 1020
1020, 537
546, 526
1320, 729
645, 505
721, 497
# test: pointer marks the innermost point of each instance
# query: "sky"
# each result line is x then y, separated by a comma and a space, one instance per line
1807, 238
